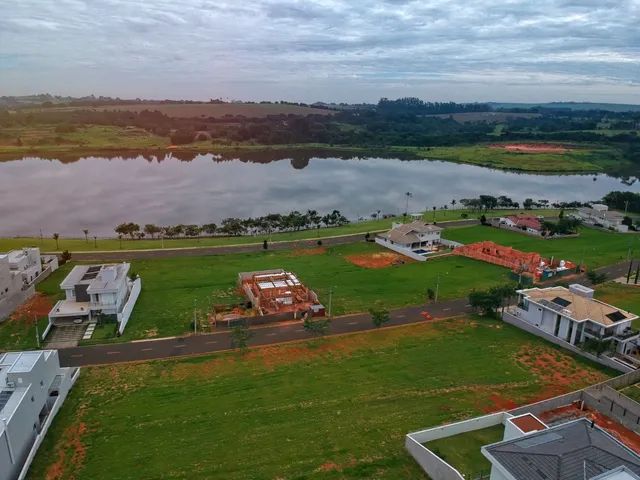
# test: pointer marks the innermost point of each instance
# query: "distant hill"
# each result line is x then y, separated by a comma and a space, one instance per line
610, 107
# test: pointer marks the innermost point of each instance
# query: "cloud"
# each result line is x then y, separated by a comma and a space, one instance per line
324, 50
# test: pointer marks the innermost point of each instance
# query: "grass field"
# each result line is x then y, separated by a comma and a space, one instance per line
171, 287
336, 408
80, 244
595, 247
589, 158
462, 451
250, 110
622, 296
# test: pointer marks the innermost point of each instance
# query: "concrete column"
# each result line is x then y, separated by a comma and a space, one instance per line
574, 333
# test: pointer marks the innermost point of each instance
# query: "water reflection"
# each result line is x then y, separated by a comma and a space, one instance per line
98, 193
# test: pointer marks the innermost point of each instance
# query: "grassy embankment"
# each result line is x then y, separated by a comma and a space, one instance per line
371, 226
583, 158
43, 140
330, 409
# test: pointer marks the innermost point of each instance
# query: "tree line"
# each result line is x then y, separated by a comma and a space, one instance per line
232, 226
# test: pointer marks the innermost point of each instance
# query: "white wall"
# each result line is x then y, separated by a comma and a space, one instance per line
399, 249
123, 317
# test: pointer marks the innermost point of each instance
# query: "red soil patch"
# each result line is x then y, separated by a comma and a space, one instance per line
499, 403
573, 411
532, 148
38, 306
377, 260
69, 454
301, 252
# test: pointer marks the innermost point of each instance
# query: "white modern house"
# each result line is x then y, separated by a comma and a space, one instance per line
92, 290
599, 214
415, 240
33, 387
26, 263
572, 315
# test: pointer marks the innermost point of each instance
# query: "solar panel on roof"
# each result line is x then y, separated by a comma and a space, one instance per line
561, 301
616, 316
5, 395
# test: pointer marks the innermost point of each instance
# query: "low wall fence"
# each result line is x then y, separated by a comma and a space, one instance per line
123, 317
431, 463
9, 304
257, 320
602, 360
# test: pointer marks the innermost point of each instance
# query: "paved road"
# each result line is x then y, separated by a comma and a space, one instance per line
215, 342
119, 255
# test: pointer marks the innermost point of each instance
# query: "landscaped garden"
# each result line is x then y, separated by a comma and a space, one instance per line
334, 408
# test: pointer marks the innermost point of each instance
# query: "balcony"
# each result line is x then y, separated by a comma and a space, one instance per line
598, 334
627, 334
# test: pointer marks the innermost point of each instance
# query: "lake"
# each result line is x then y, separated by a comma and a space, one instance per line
99, 193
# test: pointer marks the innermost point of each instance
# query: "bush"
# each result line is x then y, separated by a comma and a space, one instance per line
319, 243
65, 257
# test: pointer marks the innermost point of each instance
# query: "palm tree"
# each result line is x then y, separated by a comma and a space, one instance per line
56, 236
406, 210
86, 235
453, 203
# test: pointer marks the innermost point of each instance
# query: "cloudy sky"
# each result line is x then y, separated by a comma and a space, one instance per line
329, 50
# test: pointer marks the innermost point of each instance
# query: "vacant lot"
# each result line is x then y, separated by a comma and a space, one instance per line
332, 409
593, 247
172, 287
581, 158
253, 110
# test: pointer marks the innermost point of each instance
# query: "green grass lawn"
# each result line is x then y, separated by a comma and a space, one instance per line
632, 391
595, 247
172, 286
622, 296
81, 244
336, 408
463, 451
584, 158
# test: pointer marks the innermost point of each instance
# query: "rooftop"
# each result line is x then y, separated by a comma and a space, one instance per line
570, 451
528, 423
526, 221
576, 306
97, 277
68, 307
408, 232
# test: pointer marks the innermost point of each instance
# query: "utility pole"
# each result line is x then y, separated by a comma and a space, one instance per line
195, 321
35, 320
330, 299
629, 272
435, 300
162, 240
626, 206
95, 241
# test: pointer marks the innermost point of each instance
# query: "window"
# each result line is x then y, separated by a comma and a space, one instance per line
33, 399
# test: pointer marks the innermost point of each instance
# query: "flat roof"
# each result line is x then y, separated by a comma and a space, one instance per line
528, 423
67, 307
570, 451
92, 275
576, 306
25, 362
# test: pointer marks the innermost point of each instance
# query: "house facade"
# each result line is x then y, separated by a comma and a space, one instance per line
415, 239
600, 215
573, 316
527, 223
33, 386
92, 290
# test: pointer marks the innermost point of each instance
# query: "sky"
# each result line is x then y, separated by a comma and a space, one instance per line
323, 50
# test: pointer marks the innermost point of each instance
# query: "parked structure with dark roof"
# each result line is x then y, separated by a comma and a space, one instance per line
576, 450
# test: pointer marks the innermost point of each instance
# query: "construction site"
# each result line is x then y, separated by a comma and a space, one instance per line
527, 264
274, 292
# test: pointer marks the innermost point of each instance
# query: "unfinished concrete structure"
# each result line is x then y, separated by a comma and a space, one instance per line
278, 291
530, 264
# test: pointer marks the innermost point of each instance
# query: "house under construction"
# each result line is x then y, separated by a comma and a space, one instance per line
523, 263
278, 291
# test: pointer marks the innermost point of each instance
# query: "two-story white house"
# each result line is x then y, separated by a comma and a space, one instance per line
27, 263
33, 386
92, 290
573, 315
415, 239
599, 214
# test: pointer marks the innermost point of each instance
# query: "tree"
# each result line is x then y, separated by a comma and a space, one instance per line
65, 257
528, 203
431, 294
487, 302
240, 335
209, 228
379, 316
596, 278
191, 230
483, 219
265, 245
152, 230
316, 326
453, 203
86, 235
56, 236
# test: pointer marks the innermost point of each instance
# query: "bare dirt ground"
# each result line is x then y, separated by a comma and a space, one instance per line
38, 306
378, 260
532, 148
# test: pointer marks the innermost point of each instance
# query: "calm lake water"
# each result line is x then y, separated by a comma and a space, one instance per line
99, 193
